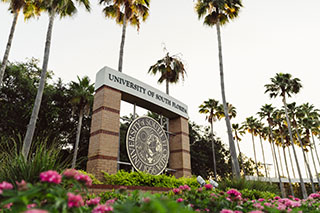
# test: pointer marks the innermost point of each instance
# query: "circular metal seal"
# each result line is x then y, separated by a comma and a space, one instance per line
147, 145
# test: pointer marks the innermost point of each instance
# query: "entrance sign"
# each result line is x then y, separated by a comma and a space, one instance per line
147, 146
140, 93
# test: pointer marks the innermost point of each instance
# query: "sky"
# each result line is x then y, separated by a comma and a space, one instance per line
267, 38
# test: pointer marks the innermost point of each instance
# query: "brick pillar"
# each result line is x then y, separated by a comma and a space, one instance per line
104, 134
179, 147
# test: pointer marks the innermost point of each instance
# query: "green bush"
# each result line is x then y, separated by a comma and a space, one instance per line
242, 184
13, 166
253, 194
144, 179
93, 178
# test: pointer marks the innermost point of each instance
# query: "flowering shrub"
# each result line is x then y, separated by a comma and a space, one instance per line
67, 192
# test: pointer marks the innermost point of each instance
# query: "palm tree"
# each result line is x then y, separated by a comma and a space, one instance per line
124, 12
293, 114
220, 12
266, 112
211, 109
282, 85
278, 120
308, 117
81, 99
237, 129
29, 11
262, 132
53, 7
251, 126
170, 69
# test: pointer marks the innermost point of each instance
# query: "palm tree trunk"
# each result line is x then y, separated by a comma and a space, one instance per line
286, 163
306, 161
167, 87
255, 155
241, 162
123, 37
232, 147
213, 154
294, 175
274, 161
315, 167
8, 47
277, 165
315, 148
34, 116
264, 160
281, 165
75, 149
302, 185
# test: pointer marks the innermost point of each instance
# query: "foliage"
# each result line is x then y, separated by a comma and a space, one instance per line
14, 167
242, 184
54, 193
93, 178
201, 154
56, 124
68, 193
124, 178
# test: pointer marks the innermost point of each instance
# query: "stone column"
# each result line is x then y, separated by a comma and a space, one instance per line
104, 134
179, 159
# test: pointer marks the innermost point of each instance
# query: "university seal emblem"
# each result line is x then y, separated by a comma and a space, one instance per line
147, 145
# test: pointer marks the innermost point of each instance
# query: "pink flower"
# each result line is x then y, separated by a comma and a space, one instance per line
22, 185
200, 189
208, 186
94, 201
111, 201
267, 204
32, 205
36, 211
83, 178
236, 211
186, 187
176, 191
102, 209
314, 195
258, 206
146, 199
74, 200
276, 197
179, 200
8, 206
226, 211
233, 192
50, 177
261, 199
70, 173
5, 185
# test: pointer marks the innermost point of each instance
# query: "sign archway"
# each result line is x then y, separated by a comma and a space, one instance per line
111, 87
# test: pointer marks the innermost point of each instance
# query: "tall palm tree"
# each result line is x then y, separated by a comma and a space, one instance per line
294, 113
262, 132
309, 120
211, 109
53, 7
251, 126
29, 10
220, 12
126, 12
283, 84
278, 120
170, 69
238, 130
266, 112
81, 98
